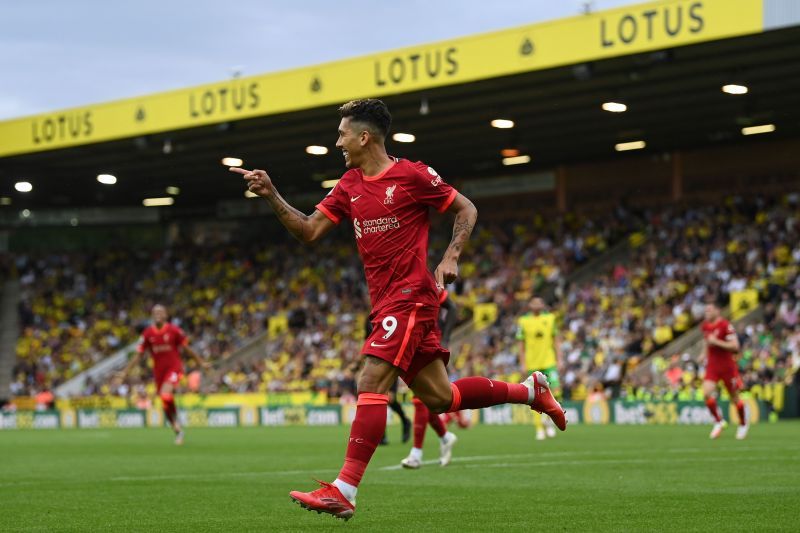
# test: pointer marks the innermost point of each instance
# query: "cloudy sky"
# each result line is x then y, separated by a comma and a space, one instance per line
60, 53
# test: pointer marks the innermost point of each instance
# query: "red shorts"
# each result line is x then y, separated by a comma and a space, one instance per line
406, 335
727, 373
167, 375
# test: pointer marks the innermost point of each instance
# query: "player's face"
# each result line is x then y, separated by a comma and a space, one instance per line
349, 142
537, 305
159, 314
711, 312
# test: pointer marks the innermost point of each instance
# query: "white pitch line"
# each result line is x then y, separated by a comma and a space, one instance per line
612, 462
222, 475
469, 462
297, 472
400, 467
478, 459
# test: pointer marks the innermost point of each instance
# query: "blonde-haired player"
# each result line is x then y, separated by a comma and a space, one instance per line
540, 350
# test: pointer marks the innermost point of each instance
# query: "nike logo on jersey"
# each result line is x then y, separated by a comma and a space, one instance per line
377, 345
354, 198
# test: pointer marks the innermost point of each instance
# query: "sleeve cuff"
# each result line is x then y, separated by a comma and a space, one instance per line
450, 198
324, 210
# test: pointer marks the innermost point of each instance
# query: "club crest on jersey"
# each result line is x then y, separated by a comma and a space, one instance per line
390, 194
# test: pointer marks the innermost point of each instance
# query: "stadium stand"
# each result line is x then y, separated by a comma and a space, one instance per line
312, 302
223, 295
220, 295
336, 340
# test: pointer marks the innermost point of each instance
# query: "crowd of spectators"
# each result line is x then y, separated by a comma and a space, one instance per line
78, 308
680, 259
324, 355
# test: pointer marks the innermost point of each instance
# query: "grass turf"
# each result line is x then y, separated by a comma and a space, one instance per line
592, 478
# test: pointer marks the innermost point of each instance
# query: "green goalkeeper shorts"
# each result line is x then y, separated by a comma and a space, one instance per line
551, 374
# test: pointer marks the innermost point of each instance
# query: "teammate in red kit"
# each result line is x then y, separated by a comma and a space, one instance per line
447, 322
387, 199
165, 342
721, 346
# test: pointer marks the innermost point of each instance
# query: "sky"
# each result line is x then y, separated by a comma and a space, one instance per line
57, 53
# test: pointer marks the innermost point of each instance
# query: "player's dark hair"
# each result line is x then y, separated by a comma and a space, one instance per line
370, 111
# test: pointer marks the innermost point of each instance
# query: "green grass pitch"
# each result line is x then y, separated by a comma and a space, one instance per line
591, 478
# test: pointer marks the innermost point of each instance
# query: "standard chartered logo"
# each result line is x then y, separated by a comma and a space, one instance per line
375, 225
378, 225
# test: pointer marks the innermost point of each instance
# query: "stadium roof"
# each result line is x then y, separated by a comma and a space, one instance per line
666, 61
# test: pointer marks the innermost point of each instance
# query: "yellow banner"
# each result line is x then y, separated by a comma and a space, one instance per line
743, 302
91, 402
617, 32
484, 315
278, 324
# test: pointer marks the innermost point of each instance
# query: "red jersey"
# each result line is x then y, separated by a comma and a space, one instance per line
725, 332
391, 221
164, 346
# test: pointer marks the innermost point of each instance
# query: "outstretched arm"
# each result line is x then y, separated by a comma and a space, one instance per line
305, 228
466, 215
196, 356
122, 376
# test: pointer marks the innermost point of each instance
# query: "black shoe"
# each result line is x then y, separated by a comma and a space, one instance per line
384, 441
406, 430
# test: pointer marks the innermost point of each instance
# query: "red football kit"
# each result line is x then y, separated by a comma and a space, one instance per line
720, 364
390, 216
164, 345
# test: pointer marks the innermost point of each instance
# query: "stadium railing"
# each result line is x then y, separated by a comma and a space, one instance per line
9, 330
100, 372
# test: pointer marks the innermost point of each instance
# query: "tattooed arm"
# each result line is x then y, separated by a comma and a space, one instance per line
305, 228
466, 215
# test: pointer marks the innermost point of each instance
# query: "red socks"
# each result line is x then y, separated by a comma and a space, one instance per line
711, 402
422, 417
365, 435
741, 413
712, 406
436, 423
420, 422
168, 404
474, 393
